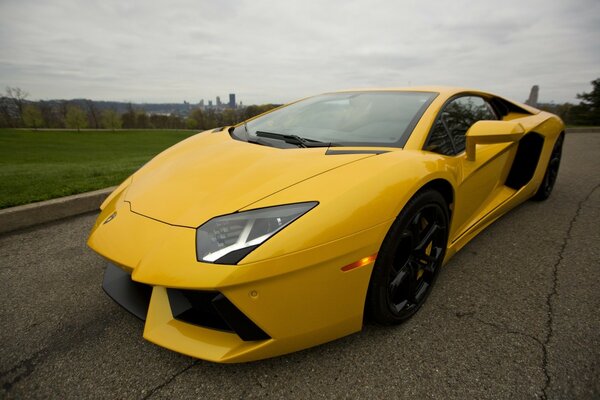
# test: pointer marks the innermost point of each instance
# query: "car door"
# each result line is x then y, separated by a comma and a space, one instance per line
480, 183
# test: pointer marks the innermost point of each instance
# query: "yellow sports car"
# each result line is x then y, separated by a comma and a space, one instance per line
285, 231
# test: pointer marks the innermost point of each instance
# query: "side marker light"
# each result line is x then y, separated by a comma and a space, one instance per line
360, 263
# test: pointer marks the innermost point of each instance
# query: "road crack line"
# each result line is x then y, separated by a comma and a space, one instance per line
554, 292
500, 327
165, 383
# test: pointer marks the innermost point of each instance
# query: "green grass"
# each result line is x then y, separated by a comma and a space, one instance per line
42, 165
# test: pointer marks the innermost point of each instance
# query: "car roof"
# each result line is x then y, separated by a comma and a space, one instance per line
444, 91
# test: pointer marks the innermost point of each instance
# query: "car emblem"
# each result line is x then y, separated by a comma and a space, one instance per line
110, 218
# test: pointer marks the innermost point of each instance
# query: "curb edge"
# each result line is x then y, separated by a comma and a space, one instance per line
19, 217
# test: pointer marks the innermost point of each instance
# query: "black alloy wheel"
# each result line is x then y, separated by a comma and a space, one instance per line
410, 258
551, 174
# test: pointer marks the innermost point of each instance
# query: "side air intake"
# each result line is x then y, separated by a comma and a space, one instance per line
526, 161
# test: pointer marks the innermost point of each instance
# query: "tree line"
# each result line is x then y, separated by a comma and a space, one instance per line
18, 112
586, 113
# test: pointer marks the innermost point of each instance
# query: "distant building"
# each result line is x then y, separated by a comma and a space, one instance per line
533, 96
218, 104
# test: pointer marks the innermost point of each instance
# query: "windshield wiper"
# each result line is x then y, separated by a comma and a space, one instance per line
294, 139
249, 139
246, 130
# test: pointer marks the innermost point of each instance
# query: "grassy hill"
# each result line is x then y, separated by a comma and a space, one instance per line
41, 165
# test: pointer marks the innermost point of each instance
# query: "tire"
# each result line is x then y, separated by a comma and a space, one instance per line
551, 173
409, 259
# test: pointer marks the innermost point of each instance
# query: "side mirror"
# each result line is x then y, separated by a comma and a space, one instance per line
487, 132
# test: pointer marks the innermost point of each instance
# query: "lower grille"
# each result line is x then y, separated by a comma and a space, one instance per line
213, 310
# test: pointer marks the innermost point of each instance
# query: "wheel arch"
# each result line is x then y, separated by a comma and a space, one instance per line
439, 185
445, 188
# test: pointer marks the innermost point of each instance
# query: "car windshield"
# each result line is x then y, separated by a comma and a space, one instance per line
377, 118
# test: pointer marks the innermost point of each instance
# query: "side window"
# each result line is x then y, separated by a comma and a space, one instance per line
448, 134
439, 140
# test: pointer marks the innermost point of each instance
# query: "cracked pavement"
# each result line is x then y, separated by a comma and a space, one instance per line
513, 315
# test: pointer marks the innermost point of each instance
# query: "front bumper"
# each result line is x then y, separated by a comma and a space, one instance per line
208, 309
297, 300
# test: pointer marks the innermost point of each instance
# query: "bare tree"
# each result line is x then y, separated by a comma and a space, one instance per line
17, 96
50, 114
63, 107
93, 113
6, 119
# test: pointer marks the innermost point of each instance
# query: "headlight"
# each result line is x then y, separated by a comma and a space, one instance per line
229, 238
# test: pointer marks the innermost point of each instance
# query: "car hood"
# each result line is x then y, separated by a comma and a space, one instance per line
211, 174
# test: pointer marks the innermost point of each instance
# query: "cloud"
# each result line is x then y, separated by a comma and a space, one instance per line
276, 51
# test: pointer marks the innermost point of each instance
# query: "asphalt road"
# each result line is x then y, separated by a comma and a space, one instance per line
515, 315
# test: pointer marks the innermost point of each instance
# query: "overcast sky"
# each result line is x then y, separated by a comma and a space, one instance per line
277, 51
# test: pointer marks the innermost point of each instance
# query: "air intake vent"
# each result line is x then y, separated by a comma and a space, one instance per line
213, 310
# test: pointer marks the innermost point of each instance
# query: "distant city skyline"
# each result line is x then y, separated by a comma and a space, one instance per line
276, 52
230, 104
